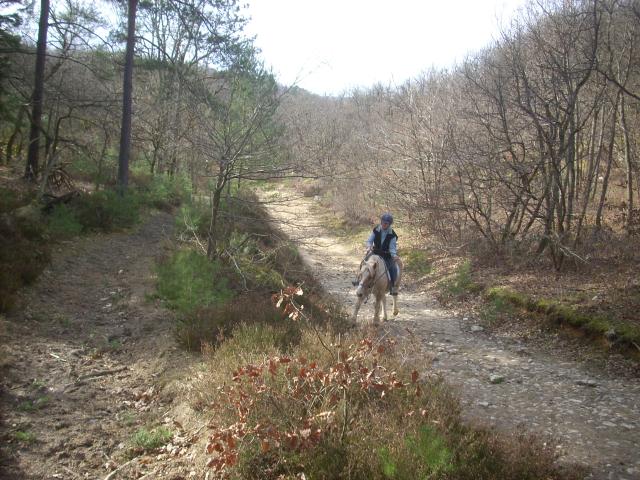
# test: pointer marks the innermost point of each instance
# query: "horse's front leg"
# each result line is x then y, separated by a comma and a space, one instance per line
395, 305
384, 308
357, 308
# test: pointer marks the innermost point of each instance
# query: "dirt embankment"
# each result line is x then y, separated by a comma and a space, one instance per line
591, 414
87, 361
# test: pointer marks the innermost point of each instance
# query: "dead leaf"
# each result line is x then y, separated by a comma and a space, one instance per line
265, 446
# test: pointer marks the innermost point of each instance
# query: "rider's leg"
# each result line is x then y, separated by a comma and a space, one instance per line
393, 273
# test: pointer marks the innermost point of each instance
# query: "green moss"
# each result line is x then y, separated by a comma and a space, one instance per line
560, 313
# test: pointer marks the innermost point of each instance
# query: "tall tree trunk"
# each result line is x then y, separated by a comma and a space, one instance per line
629, 163
127, 91
605, 180
31, 171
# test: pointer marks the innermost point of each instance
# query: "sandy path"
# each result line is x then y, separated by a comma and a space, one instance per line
592, 418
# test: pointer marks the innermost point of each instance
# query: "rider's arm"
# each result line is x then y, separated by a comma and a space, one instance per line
369, 242
393, 248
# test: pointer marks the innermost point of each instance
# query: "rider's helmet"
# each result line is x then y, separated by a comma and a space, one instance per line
387, 217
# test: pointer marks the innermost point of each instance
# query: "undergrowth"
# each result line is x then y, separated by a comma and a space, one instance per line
460, 284
416, 261
346, 407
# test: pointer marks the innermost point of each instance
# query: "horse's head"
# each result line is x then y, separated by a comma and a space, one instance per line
367, 276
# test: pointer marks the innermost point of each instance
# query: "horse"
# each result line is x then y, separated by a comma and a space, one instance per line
374, 278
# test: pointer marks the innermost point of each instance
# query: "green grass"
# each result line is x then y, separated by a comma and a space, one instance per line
145, 439
34, 405
24, 436
425, 451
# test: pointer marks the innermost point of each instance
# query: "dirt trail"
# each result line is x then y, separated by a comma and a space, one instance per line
83, 359
592, 417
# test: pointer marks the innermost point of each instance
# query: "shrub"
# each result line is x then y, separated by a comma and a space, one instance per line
107, 210
209, 325
11, 199
348, 410
23, 255
189, 281
63, 223
164, 192
192, 218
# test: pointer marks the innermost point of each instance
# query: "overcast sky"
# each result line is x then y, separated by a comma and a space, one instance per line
329, 46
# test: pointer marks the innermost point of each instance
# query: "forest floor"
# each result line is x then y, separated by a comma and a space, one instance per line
91, 373
585, 402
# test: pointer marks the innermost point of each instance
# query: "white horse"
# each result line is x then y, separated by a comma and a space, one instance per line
374, 278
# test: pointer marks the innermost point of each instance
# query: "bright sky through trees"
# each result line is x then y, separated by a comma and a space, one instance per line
328, 46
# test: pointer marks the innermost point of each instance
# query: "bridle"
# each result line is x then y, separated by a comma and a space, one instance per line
372, 278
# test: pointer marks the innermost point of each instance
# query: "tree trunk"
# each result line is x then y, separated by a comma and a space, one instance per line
17, 130
213, 224
605, 180
31, 171
629, 163
215, 209
127, 91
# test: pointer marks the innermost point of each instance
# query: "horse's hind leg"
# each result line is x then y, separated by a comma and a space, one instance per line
376, 315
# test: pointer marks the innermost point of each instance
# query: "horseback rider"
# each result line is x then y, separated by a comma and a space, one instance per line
383, 242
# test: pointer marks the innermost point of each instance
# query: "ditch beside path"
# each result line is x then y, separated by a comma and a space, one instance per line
591, 416
87, 360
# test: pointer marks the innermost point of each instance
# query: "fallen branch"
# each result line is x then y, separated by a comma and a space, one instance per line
82, 379
58, 357
101, 373
113, 473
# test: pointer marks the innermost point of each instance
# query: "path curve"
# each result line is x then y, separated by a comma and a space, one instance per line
593, 418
